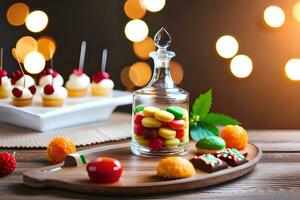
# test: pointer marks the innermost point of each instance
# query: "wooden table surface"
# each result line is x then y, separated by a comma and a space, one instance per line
277, 176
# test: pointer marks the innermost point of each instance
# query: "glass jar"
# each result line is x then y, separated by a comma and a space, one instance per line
160, 119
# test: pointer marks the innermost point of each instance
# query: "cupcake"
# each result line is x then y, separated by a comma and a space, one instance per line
22, 96
5, 85
101, 84
54, 95
23, 80
49, 76
78, 83
175, 168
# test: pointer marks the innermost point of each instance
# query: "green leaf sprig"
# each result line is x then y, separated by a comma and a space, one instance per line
203, 123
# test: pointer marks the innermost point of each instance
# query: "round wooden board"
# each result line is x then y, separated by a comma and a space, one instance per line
139, 175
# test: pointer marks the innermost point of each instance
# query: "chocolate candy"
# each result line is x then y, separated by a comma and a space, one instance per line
231, 156
164, 116
167, 133
208, 163
178, 112
150, 133
149, 111
139, 108
151, 122
177, 124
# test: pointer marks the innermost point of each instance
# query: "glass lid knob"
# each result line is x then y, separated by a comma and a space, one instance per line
162, 38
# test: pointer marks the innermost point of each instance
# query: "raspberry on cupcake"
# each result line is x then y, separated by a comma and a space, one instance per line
54, 95
49, 76
5, 85
23, 80
22, 96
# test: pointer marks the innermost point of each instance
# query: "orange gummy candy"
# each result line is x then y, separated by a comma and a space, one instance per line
235, 136
59, 148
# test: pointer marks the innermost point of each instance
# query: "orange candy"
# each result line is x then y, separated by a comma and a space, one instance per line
234, 136
59, 148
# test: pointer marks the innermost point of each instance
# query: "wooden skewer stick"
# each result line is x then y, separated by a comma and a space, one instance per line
20, 67
104, 59
82, 54
1, 63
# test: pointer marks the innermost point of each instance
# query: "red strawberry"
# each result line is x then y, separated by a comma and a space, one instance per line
7, 163
17, 92
16, 76
78, 71
32, 89
99, 76
49, 89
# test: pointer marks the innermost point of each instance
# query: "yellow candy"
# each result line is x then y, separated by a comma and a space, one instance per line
171, 142
167, 133
149, 111
151, 122
140, 140
164, 116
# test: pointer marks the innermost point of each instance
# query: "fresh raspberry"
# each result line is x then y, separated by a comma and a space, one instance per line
16, 76
59, 148
180, 133
48, 71
99, 76
49, 89
32, 89
156, 144
17, 92
78, 71
7, 163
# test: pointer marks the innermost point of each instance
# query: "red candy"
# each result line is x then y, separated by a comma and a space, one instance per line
138, 119
99, 76
48, 71
32, 89
177, 124
17, 92
104, 170
156, 144
49, 89
150, 133
180, 133
139, 129
78, 71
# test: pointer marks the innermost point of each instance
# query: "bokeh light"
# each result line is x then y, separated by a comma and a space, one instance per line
176, 71
46, 46
36, 21
227, 46
136, 30
292, 69
34, 62
143, 48
154, 5
134, 9
24, 46
140, 73
274, 16
125, 79
296, 11
241, 66
17, 13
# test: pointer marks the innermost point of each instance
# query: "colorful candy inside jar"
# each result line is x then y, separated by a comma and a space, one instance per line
158, 129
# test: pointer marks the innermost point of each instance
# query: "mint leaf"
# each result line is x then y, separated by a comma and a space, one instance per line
198, 132
202, 104
212, 128
219, 120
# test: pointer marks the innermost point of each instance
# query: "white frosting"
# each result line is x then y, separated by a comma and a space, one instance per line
26, 94
45, 80
78, 82
28, 81
104, 84
59, 93
5, 83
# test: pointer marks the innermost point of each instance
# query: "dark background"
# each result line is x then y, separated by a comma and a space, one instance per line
266, 99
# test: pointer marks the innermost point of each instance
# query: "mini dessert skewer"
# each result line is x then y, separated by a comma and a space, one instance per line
78, 82
102, 85
5, 85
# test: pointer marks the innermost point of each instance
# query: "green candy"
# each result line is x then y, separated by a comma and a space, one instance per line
178, 112
211, 143
139, 108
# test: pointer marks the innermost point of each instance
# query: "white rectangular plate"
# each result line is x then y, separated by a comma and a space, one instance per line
75, 111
